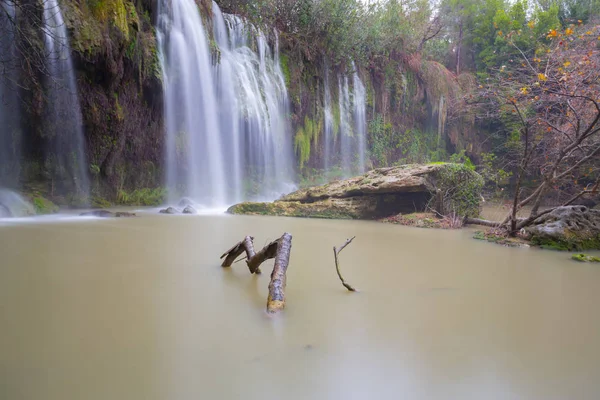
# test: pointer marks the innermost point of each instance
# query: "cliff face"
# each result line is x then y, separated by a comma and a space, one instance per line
120, 88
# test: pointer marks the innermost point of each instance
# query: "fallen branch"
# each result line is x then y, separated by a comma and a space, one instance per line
267, 252
276, 299
237, 250
483, 222
279, 250
336, 252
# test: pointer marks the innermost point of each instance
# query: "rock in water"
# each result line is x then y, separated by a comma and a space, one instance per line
108, 214
98, 213
169, 210
447, 188
567, 228
190, 210
123, 214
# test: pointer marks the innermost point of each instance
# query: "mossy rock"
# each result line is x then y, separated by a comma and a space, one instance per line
44, 206
293, 209
381, 193
99, 202
585, 258
571, 228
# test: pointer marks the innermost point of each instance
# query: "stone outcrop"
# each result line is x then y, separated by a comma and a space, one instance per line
445, 188
108, 214
567, 228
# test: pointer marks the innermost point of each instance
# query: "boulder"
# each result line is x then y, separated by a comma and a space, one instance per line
444, 187
190, 210
124, 214
108, 214
567, 228
98, 213
169, 210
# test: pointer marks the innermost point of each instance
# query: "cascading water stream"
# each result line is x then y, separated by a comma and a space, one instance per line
360, 119
254, 106
227, 134
328, 126
346, 131
66, 156
10, 132
195, 163
352, 124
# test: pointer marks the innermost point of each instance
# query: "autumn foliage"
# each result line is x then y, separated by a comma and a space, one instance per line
550, 101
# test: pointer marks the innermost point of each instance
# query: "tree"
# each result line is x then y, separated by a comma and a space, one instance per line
551, 99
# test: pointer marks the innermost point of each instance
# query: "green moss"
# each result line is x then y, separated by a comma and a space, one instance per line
99, 202
573, 243
459, 190
307, 136
44, 206
585, 258
290, 209
142, 197
283, 62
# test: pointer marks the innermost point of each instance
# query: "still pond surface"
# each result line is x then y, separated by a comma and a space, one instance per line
140, 309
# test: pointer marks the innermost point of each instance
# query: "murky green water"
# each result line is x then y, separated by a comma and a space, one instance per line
140, 309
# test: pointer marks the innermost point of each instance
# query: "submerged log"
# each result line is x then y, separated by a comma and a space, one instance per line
276, 300
267, 252
336, 252
279, 250
237, 249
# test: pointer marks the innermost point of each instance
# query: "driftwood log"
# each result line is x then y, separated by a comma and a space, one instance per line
276, 300
279, 250
336, 253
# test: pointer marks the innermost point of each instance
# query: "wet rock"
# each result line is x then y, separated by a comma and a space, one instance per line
169, 210
381, 193
190, 210
123, 214
585, 258
108, 214
98, 213
567, 228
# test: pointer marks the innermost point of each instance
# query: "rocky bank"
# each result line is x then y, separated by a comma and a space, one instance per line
443, 187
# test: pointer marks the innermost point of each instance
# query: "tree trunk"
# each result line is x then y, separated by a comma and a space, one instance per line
276, 300
234, 252
458, 47
483, 222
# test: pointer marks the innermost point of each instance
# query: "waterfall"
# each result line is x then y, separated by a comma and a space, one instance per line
346, 131
66, 157
195, 163
10, 132
254, 107
228, 138
13, 205
352, 124
328, 122
360, 119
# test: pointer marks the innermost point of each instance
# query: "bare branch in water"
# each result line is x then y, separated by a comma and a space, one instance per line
336, 252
